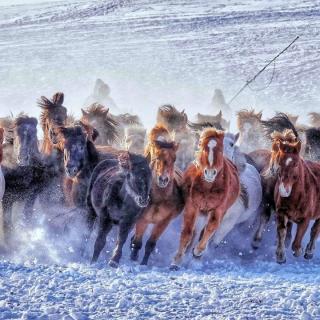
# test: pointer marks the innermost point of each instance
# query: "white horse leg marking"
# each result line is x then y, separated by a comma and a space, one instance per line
211, 145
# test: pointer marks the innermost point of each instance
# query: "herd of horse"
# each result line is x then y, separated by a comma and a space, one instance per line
111, 172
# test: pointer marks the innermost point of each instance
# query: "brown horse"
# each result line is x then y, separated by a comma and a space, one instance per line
211, 185
267, 164
297, 198
166, 192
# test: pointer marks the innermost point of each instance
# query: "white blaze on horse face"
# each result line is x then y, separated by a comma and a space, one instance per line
211, 145
284, 191
288, 161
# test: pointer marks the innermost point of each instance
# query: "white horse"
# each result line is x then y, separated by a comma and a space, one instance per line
246, 205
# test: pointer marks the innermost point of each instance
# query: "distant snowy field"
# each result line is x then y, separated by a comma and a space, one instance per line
153, 52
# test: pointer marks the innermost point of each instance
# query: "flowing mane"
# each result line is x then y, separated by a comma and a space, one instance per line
245, 115
170, 117
202, 125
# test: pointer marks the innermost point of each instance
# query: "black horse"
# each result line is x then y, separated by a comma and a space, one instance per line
119, 191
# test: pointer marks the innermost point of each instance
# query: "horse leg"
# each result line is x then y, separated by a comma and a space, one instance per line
189, 219
282, 221
124, 229
157, 231
28, 207
7, 204
105, 226
264, 219
315, 231
301, 230
289, 234
212, 225
136, 241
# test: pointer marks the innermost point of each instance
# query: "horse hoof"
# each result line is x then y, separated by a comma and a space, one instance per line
113, 264
134, 255
308, 255
297, 253
281, 260
174, 267
144, 262
256, 244
195, 254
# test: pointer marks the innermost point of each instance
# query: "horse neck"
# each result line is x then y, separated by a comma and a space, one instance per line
47, 146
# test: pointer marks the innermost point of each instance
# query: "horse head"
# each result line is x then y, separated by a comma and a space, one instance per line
229, 143
210, 154
25, 140
248, 121
78, 149
137, 175
289, 170
53, 116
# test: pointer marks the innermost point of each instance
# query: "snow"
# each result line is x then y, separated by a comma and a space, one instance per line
153, 52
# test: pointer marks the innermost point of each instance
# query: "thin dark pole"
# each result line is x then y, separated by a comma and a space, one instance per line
264, 68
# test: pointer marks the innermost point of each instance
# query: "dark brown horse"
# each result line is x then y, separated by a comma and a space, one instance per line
211, 186
297, 198
166, 192
119, 191
28, 176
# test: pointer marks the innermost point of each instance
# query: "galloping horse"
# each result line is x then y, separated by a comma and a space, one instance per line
119, 191
166, 192
211, 186
297, 198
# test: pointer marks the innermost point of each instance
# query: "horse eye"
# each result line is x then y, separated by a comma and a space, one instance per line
231, 144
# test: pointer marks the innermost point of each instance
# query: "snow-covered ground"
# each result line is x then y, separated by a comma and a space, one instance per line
152, 52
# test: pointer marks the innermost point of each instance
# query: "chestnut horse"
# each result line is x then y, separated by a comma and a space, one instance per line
211, 186
166, 192
297, 198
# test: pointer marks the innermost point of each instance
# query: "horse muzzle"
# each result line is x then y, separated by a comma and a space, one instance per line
141, 202
163, 182
210, 175
284, 191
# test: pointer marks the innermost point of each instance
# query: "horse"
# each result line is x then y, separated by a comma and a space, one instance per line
269, 166
211, 186
2, 181
119, 190
251, 130
27, 177
296, 198
202, 118
176, 122
166, 192
249, 202
135, 137
98, 116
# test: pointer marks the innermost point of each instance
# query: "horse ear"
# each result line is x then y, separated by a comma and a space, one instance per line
259, 115
236, 137
58, 98
220, 115
84, 113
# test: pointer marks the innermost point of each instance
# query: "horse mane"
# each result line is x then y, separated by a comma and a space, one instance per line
211, 133
314, 116
110, 123
246, 114
24, 119
280, 122
202, 125
170, 116
287, 136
